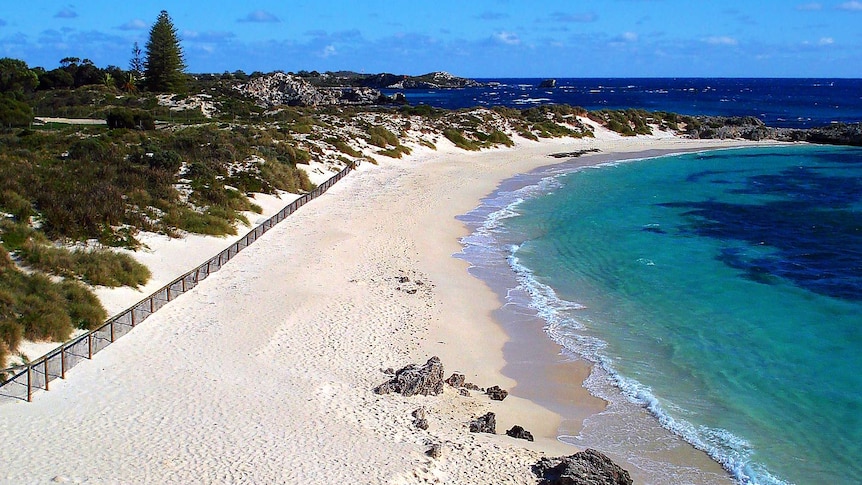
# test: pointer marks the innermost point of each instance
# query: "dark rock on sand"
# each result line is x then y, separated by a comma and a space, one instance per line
520, 433
436, 450
496, 393
414, 379
484, 424
588, 467
456, 380
419, 418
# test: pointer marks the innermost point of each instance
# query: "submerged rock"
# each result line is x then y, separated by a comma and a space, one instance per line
484, 424
588, 467
414, 379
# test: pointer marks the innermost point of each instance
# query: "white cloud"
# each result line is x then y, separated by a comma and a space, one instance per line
68, 13
574, 17
328, 51
507, 38
261, 16
134, 24
810, 6
855, 6
629, 36
721, 40
826, 41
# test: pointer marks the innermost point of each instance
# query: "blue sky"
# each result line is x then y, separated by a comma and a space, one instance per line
474, 38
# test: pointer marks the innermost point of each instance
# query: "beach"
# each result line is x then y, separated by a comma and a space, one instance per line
263, 373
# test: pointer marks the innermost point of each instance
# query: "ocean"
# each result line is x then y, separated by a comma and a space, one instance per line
790, 103
721, 290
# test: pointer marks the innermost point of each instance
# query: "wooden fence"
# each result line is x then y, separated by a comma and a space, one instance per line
25, 379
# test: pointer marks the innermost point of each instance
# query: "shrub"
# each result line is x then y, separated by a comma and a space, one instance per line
497, 137
84, 308
14, 112
459, 139
283, 176
42, 311
13, 203
104, 268
395, 152
343, 147
130, 118
381, 137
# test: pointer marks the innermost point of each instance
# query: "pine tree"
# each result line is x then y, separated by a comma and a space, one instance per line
164, 65
136, 64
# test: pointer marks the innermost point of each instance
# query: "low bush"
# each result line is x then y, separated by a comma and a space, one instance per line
14, 112
395, 152
459, 139
130, 119
381, 137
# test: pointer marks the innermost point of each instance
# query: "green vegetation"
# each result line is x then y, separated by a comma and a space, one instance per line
34, 307
396, 152
460, 140
381, 137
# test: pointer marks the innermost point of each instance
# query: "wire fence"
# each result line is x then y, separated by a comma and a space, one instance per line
22, 381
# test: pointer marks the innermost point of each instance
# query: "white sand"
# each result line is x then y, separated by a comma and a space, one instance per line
263, 373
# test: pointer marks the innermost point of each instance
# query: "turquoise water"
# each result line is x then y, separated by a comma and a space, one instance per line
721, 290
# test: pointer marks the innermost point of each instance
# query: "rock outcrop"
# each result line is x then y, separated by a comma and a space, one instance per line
519, 433
432, 80
837, 134
484, 424
588, 467
414, 379
456, 380
497, 394
280, 89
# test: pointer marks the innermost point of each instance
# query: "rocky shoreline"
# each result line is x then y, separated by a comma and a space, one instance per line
351, 89
751, 128
588, 467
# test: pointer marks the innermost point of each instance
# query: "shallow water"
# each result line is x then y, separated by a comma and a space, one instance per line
720, 290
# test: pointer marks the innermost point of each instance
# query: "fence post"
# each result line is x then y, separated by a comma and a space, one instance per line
29, 383
63, 362
168, 291
112, 331
152, 305
46, 374
184, 284
133, 316
90, 346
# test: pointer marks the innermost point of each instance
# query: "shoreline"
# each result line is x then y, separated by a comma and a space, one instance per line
548, 374
320, 312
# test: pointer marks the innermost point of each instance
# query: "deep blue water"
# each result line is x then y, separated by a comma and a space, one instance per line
793, 103
721, 290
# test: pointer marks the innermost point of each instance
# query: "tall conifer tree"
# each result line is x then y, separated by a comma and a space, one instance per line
164, 66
